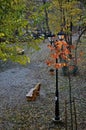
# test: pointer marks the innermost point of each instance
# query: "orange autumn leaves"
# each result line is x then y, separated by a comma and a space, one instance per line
60, 50
55, 65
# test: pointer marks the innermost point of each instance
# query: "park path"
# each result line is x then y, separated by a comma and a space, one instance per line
16, 81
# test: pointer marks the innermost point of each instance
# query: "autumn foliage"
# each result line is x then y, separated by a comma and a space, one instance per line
60, 51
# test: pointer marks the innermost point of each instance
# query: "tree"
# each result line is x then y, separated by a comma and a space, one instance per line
60, 52
12, 22
15, 18
69, 16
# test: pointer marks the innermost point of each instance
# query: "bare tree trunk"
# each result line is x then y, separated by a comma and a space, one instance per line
78, 42
46, 17
70, 99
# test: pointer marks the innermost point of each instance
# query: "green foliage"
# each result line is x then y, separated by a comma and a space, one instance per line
61, 13
18, 17
12, 27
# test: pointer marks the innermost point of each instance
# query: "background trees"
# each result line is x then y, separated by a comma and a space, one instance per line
25, 19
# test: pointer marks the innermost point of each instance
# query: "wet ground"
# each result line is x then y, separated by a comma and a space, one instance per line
15, 82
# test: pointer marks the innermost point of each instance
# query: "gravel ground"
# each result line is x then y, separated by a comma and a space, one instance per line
16, 113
